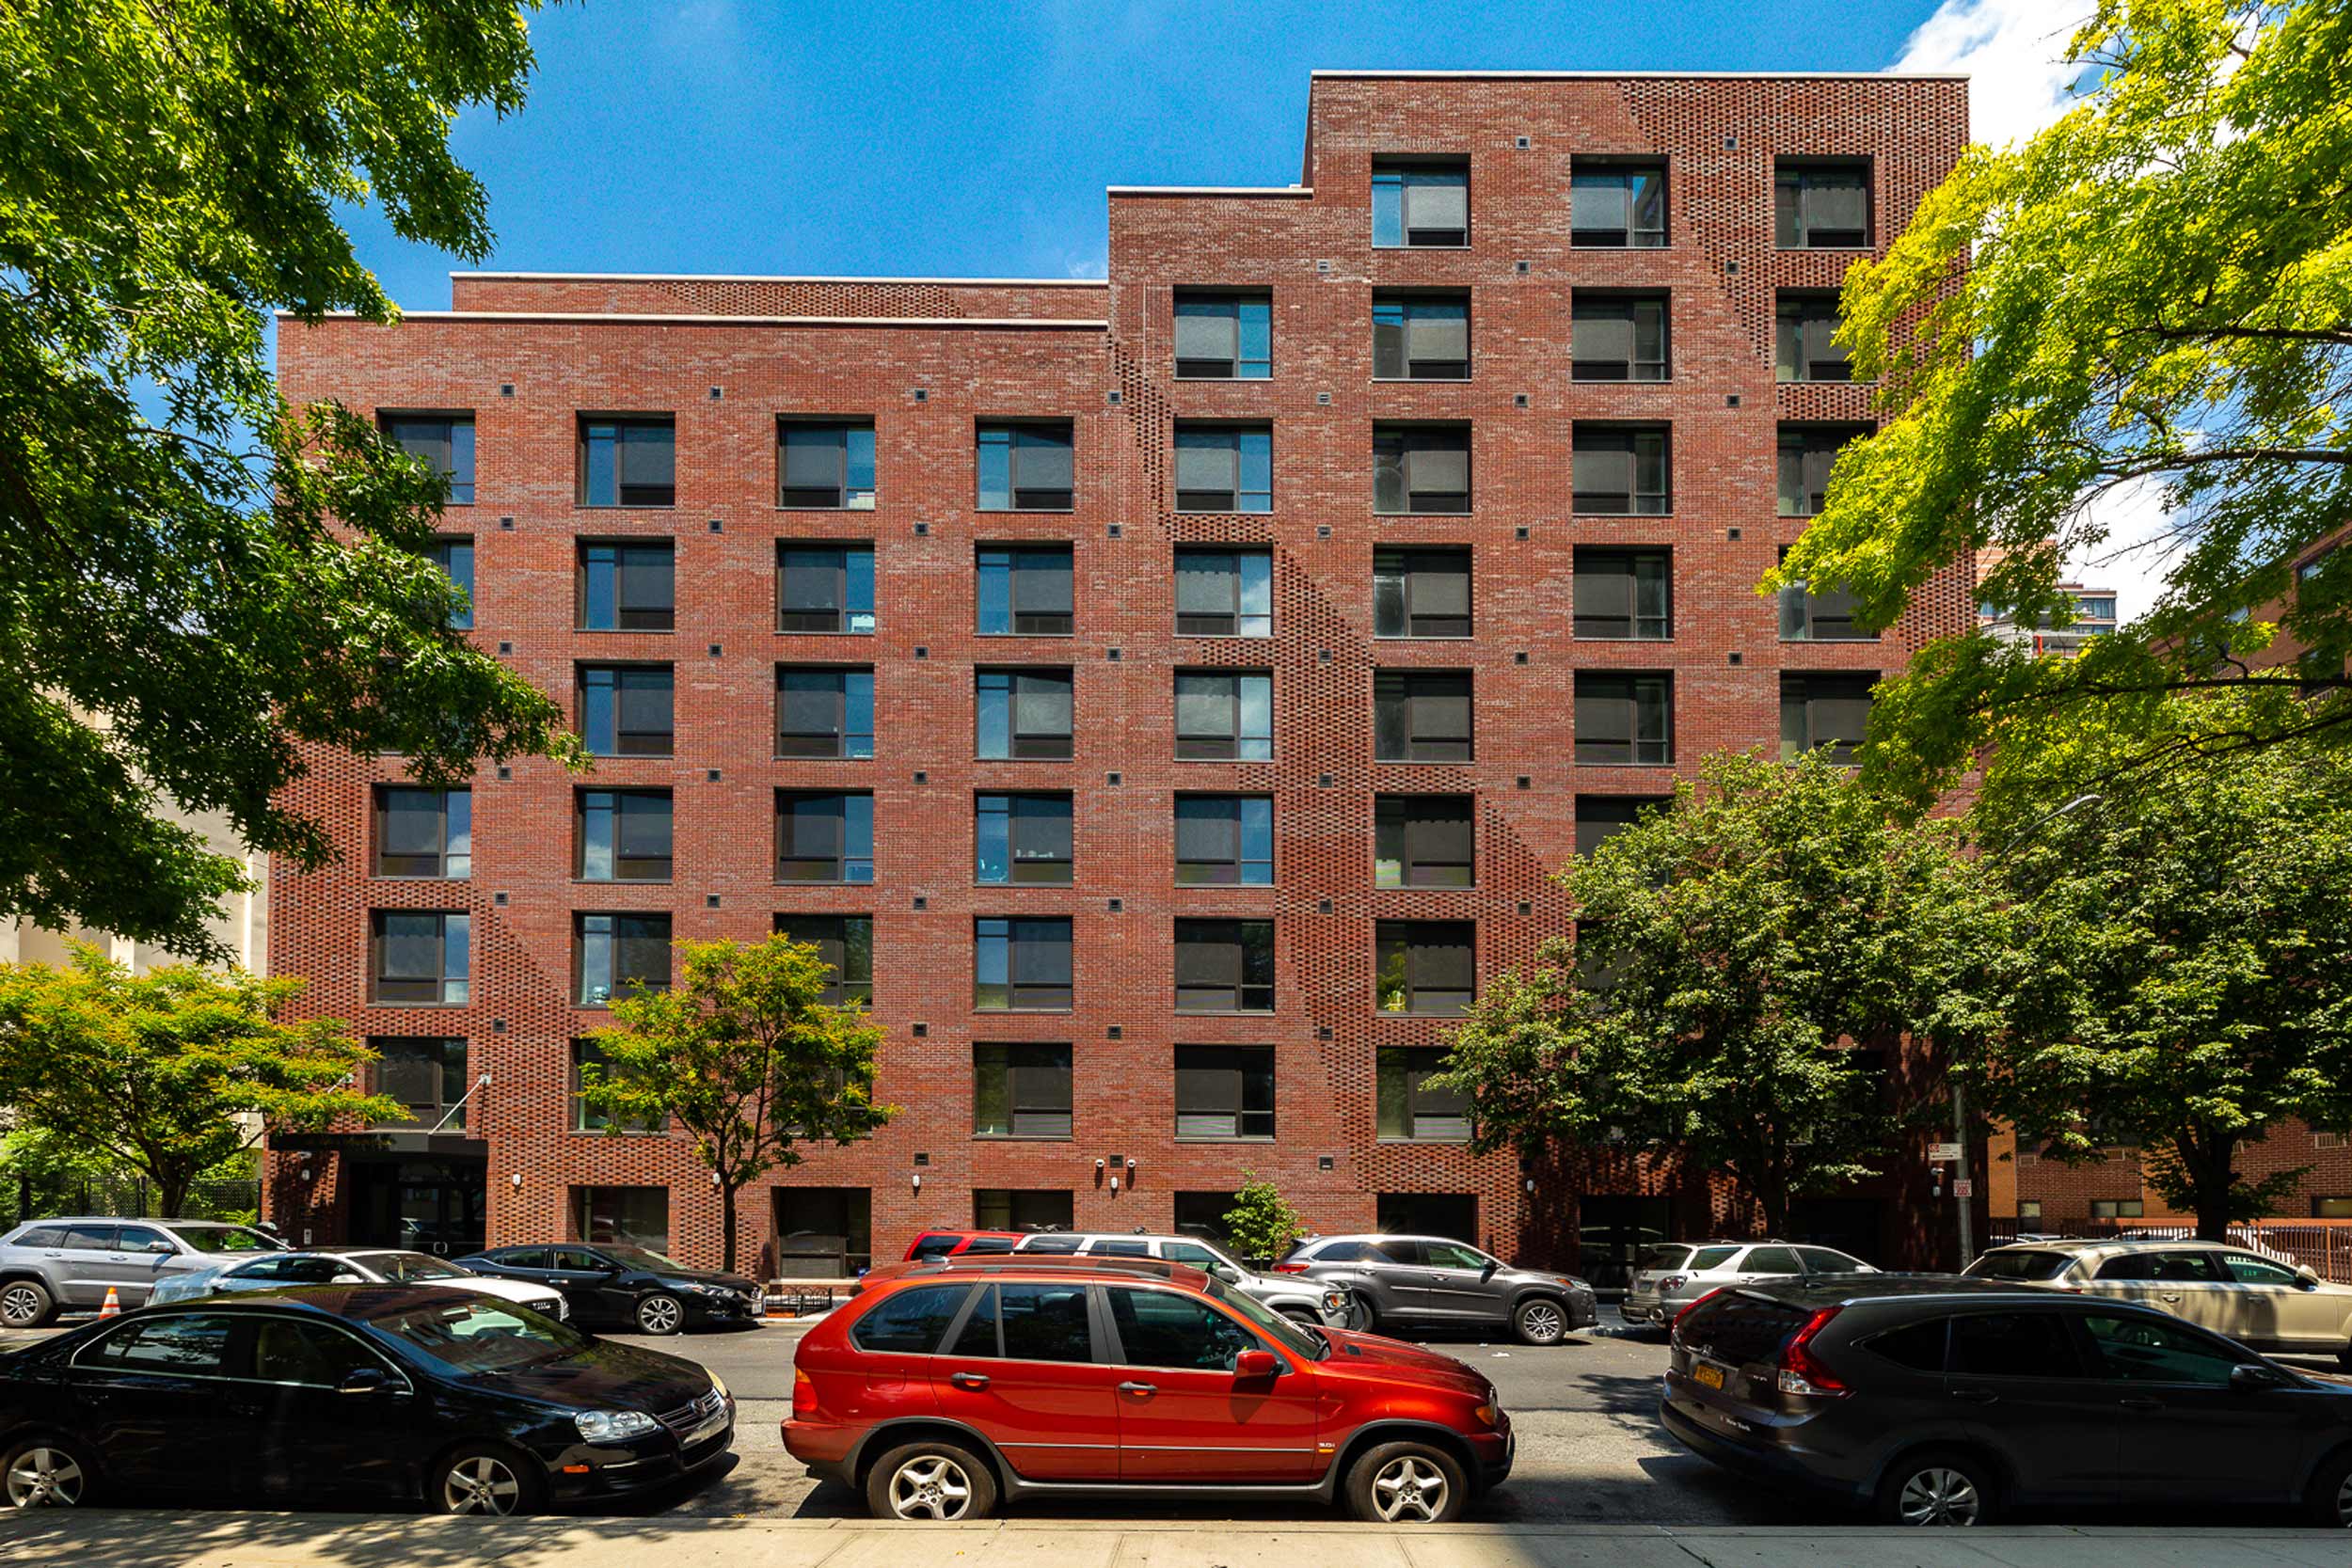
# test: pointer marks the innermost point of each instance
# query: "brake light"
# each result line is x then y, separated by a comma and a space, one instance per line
1802, 1371
803, 1395
1702, 1300
1672, 1282
1290, 1268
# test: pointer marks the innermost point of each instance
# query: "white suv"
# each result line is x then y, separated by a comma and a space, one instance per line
1671, 1275
1306, 1301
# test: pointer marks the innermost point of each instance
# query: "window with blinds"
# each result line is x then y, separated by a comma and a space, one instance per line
1426, 966
1224, 1091
1023, 715
1021, 1090
825, 588
1622, 470
419, 958
628, 461
1598, 817
1618, 337
1624, 595
612, 954
1421, 591
1617, 204
622, 586
444, 442
1022, 839
1027, 467
625, 710
423, 832
1421, 468
621, 835
846, 944
1424, 841
1419, 202
1821, 205
1419, 336
1827, 616
1224, 468
825, 464
1803, 329
1422, 716
1224, 841
824, 711
824, 836
1223, 336
1807, 454
1024, 591
1410, 1108
1224, 715
1624, 719
1224, 966
1828, 712
1020, 964
1224, 593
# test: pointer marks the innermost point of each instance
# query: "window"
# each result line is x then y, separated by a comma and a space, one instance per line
1224, 715
1021, 1091
454, 557
588, 1053
1421, 337
427, 1074
2117, 1208
824, 836
625, 1216
622, 835
1625, 595
1024, 591
1421, 592
1020, 965
1026, 467
1421, 468
187, 1346
1019, 1209
1224, 337
1160, 1328
1224, 1091
2243, 1268
824, 466
2151, 1350
1453, 1215
2013, 1344
2029, 1211
1224, 966
1222, 592
1618, 337
1821, 206
1022, 838
625, 710
1599, 817
1620, 206
1807, 453
421, 960
1824, 617
423, 832
616, 952
1918, 1346
629, 462
1824, 710
1224, 468
1623, 470
1423, 841
625, 588
825, 588
1419, 203
2332, 1208
1624, 719
444, 442
1803, 350
1024, 715
1426, 966
1410, 1106
1225, 840
2099, 609
910, 1322
1420, 715
1027, 1323
846, 942
824, 711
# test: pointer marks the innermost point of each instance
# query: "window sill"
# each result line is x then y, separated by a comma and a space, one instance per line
796, 632
869, 506
1226, 760
804, 757
1214, 379
1383, 1013
623, 1133
1025, 511
624, 631
1422, 637
1046, 760
1008, 887
1668, 763
1830, 641
1424, 761
1023, 1138
388, 877
419, 1006
1061, 636
1668, 512
1464, 246
1224, 1012
1581, 637
1052, 1013
625, 506
1421, 381
1852, 249
623, 881
1425, 887
867, 883
1433, 511
1390, 1138
1220, 887
1234, 1139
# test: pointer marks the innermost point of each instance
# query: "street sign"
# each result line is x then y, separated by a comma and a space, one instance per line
1963, 1188
1944, 1154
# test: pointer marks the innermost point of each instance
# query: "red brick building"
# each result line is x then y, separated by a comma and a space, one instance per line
1316, 582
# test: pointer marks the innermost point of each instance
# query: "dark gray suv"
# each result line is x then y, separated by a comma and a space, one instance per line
1428, 1282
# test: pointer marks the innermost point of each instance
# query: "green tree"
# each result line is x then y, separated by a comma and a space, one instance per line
177, 618
2183, 977
2146, 306
171, 1073
1730, 950
1261, 1222
744, 1053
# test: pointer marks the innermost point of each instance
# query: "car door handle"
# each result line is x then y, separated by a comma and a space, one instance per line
2173, 1296
1142, 1390
973, 1381
2143, 1403
1975, 1396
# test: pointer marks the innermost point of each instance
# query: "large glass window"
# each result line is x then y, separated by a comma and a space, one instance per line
1820, 205
1019, 1209
613, 953
1823, 617
846, 944
1804, 329
1224, 468
1426, 966
1224, 1091
1224, 966
825, 588
1624, 595
1160, 1328
1023, 715
1224, 337
1020, 965
1599, 817
824, 711
1419, 202
1624, 719
426, 1074
1224, 593
1021, 1091
624, 587
1027, 1323
1422, 716
444, 442
1225, 839
1421, 468
1617, 205
1424, 841
1619, 336
625, 709
1623, 470
825, 464
1421, 337
453, 554
910, 1322
1807, 453
623, 1217
1412, 1108
588, 1053
1824, 710
423, 832
824, 836
1024, 591
1027, 466
622, 835
1421, 591
1022, 839
1224, 715
420, 958
628, 461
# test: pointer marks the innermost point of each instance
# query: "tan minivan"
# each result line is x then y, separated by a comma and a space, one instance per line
2262, 1302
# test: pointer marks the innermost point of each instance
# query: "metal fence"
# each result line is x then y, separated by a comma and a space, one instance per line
2324, 1246
131, 1198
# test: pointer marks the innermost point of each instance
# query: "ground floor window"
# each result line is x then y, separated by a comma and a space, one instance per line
1613, 1229
1204, 1214
823, 1232
1450, 1214
2028, 1210
2332, 1208
2117, 1209
1022, 1209
639, 1216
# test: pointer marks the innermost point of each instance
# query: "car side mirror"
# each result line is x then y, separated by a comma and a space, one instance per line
364, 1379
1226, 1272
160, 1245
1488, 1268
2250, 1377
1253, 1364
2307, 1277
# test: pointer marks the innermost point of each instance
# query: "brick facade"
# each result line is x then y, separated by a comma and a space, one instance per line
923, 361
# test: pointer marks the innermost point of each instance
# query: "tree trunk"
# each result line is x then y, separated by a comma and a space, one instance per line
171, 1193
2212, 1169
1773, 1197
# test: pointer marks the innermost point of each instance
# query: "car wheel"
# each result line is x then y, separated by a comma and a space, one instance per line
1938, 1486
1406, 1484
1369, 1313
484, 1478
661, 1314
925, 1482
1300, 1316
45, 1472
1540, 1321
2330, 1501
25, 1304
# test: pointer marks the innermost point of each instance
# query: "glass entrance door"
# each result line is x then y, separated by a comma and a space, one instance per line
423, 1205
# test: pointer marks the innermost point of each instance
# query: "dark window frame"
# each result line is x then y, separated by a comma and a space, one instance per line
1019, 933
583, 1119
1048, 1065
1024, 745
1244, 987
1804, 694
854, 820
1019, 496
1404, 692
1405, 939
1009, 806
847, 576
1231, 441
1043, 562
587, 679
1595, 173
1596, 306
845, 493
1240, 743
1798, 185
852, 697
626, 562
1403, 858
1396, 571
1809, 617
1398, 1084
1239, 365
1641, 567
450, 455
616, 936
1598, 686
452, 928
1399, 328
454, 553
1405, 174
853, 979
431, 1058
445, 868
618, 805
1629, 441
1805, 323
651, 496
1238, 585
1394, 447
1609, 815
1245, 1106
1237, 825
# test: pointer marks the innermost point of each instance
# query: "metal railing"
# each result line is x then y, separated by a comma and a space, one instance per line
131, 1198
2325, 1246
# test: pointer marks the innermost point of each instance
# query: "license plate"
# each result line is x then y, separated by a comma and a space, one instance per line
1708, 1375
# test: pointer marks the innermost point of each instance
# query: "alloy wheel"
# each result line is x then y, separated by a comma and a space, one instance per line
1543, 1323
1409, 1487
1938, 1496
659, 1315
482, 1485
2344, 1503
930, 1486
45, 1478
19, 1305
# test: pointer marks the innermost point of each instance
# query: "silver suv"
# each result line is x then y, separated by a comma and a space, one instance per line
1435, 1282
49, 1266
1671, 1275
1306, 1301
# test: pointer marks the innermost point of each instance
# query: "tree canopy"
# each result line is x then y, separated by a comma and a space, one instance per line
178, 613
2148, 302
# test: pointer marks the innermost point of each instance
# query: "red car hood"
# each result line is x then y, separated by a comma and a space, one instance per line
1376, 1358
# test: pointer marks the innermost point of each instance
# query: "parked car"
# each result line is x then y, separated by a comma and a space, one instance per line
612, 1285
1434, 1282
951, 1244
1673, 1275
48, 1266
1947, 1400
412, 1393
954, 1384
1307, 1301
2257, 1301
350, 1265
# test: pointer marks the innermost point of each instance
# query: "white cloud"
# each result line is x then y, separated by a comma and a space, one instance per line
2014, 52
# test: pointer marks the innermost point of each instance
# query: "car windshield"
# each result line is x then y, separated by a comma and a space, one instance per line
1663, 1257
409, 1267
1289, 1336
480, 1334
2019, 1263
639, 1257
225, 1238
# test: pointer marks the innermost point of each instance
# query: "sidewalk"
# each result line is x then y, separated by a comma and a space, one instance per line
139, 1538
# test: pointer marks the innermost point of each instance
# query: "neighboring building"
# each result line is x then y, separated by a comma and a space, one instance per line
241, 926
1166, 698
2094, 614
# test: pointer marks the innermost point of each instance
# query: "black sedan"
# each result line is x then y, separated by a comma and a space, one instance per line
611, 1285
399, 1392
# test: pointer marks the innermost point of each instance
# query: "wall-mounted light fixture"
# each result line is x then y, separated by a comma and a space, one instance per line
517, 1180
918, 1180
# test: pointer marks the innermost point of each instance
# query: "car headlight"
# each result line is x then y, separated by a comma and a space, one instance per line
615, 1426
1485, 1414
706, 1289
1335, 1301
719, 1386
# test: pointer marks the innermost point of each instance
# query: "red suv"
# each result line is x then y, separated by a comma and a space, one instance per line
956, 1244
949, 1386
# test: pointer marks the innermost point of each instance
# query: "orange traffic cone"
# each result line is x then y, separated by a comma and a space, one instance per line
114, 1305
